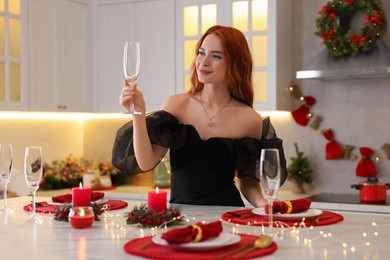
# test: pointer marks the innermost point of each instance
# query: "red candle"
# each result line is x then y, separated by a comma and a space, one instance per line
81, 217
81, 196
157, 200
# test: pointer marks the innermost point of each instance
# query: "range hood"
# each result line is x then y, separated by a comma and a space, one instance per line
372, 64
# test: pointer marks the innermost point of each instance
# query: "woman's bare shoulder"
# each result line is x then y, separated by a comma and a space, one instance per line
252, 121
177, 102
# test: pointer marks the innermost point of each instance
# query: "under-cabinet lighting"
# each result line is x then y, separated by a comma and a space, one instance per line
60, 115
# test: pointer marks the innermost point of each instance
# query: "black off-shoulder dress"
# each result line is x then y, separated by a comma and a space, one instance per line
202, 171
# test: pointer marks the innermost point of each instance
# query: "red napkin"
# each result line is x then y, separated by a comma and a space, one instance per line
195, 233
289, 206
67, 198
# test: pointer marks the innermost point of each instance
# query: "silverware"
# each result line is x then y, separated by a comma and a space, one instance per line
261, 242
318, 219
143, 246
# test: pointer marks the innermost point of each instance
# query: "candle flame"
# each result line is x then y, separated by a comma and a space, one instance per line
81, 185
82, 213
157, 190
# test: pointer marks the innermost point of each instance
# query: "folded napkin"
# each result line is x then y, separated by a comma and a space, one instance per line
289, 206
67, 198
195, 233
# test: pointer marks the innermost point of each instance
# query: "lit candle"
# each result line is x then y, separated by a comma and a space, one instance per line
81, 196
157, 200
81, 217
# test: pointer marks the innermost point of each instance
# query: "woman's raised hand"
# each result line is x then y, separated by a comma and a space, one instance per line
132, 93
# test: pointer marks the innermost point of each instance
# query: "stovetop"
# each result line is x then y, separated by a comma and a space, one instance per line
344, 198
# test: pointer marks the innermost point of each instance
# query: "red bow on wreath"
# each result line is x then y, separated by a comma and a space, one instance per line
302, 114
359, 40
333, 149
365, 167
373, 19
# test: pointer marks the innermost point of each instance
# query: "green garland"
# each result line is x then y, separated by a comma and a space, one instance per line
345, 43
149, 218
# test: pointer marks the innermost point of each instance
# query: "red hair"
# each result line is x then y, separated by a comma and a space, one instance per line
238, 59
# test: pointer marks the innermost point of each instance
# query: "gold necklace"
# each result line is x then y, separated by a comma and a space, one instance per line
211, 123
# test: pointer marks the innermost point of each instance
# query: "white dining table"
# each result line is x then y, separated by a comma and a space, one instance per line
358, 236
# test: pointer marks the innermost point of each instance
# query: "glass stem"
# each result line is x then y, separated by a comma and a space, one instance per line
270, 217
33, 201
5, 196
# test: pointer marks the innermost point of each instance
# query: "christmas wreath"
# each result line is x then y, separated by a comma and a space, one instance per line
333, 26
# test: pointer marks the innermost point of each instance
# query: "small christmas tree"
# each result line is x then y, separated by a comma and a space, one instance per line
299, 171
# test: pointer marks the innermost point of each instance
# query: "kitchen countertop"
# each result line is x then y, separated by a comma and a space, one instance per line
139, 193
359, 236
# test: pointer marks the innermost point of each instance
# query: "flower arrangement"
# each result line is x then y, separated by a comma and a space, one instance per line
62, 174
338, 38
141, 215
68, 173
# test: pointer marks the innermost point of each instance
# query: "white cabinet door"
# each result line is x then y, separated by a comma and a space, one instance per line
59, 55
152, 24
13, 55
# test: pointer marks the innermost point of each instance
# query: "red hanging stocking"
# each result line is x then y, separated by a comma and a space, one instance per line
302, 114
333, 149
365, 167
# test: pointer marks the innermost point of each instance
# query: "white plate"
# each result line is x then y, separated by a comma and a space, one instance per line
292, 216
99, 201
224, 239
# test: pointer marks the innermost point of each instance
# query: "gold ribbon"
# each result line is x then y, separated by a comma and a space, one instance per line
198, 236
289, 206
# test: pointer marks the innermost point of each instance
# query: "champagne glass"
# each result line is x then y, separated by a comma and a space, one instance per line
270, 180
131, 64
6, 166
33, 175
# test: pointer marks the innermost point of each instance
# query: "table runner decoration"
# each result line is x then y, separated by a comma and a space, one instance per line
154, 251
45, 207
247, 217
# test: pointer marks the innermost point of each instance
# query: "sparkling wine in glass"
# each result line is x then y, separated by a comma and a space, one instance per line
270, 180
131, 64
6, 166
33, 175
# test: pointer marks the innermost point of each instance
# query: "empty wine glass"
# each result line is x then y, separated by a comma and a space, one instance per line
6, 166
33, 175
131, 64
270, 180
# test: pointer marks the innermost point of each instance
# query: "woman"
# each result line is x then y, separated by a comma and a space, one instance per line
212, 131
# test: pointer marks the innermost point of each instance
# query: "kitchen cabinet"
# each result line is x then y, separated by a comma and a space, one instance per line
13, 55
60, 59
152, 24
267, 26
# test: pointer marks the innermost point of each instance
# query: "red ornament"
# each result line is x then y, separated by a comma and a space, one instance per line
333, 149
365, 167
302, 114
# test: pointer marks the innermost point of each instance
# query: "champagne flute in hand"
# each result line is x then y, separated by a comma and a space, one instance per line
6, 166
131, 64
270, 180
33, 175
